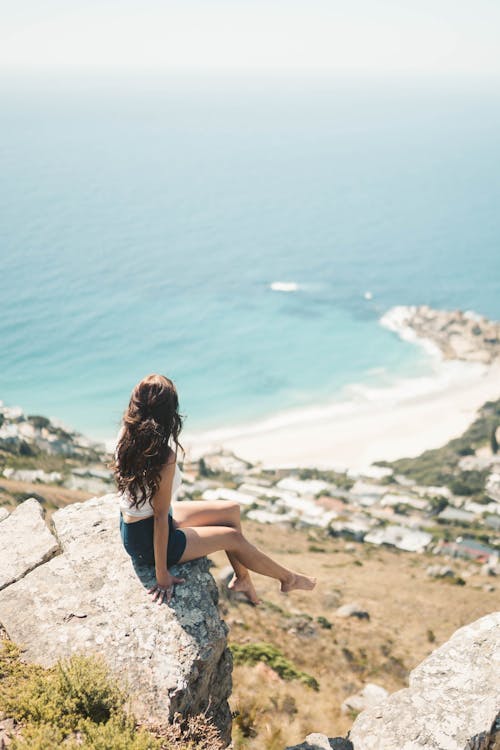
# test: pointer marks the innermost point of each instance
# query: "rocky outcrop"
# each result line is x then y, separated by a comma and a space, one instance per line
456, 334
352, 610
452, 702
317, 741
33, 434
369, 695
89, 597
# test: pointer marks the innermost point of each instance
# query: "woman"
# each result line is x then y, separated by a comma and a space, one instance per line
156, 531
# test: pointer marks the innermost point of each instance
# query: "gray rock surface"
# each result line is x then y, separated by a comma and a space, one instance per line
318, 741
25, 542
353, 609
457, 334
440, 571
370, 695
452, 701
91, 598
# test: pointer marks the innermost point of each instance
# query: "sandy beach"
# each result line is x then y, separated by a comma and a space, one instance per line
365, 425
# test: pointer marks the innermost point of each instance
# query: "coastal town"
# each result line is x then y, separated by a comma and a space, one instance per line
381, 506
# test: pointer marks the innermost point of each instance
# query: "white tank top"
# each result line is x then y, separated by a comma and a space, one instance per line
147, 509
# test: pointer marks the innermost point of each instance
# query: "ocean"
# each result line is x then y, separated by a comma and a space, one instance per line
241, 235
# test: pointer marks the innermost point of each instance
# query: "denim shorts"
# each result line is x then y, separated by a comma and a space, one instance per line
137, 538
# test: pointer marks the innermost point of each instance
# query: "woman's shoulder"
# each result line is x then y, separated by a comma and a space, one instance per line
170, 463
171, 456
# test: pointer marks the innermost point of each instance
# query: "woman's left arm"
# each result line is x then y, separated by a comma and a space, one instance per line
161, 505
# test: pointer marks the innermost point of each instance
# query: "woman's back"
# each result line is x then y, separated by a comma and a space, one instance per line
125, 501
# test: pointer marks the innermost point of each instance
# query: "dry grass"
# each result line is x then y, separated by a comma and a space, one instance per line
410, 615
52, 496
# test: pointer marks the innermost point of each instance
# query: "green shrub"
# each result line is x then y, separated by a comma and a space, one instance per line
39, 421
64, 695
469, 482
316, 548
76, 705
326, 624
119, 733
43, 737
252, 653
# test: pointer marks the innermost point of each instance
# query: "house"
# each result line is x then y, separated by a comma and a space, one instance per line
469, 549
432, 491
371, 472
493, 522
266, 516
455, 515
260, 491
410, 540
332, 503
393, 498
223, 493
361, 489
303, 486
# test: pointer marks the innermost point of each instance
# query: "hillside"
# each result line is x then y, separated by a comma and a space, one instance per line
306, 657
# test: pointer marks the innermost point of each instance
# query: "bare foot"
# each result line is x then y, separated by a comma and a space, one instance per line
245, 585
297, 581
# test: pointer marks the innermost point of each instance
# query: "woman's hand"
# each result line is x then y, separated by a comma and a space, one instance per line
164, 587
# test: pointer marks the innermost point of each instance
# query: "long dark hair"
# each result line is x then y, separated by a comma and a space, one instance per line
150, 420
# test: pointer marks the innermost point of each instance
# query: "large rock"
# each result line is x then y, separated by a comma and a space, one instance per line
90, 598
452, 701
370, 695
317, 741
353, 609
25, 542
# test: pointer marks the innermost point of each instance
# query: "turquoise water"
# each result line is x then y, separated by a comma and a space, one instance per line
144, 220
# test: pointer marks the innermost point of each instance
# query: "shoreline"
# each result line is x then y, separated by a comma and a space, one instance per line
368, 423
351, 434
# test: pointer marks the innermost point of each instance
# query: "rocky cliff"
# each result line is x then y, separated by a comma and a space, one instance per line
452, 702
74, 588
454, 333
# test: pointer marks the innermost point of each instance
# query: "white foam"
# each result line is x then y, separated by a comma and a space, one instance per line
284, 286
396, 319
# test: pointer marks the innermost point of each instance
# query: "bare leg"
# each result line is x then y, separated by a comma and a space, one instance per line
203, 540
218, 513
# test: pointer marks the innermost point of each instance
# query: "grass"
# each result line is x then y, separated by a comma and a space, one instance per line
78, 705
251, 653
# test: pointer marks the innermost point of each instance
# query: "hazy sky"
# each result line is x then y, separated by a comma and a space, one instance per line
395, 36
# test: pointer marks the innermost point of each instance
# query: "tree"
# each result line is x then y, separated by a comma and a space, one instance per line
493, 439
